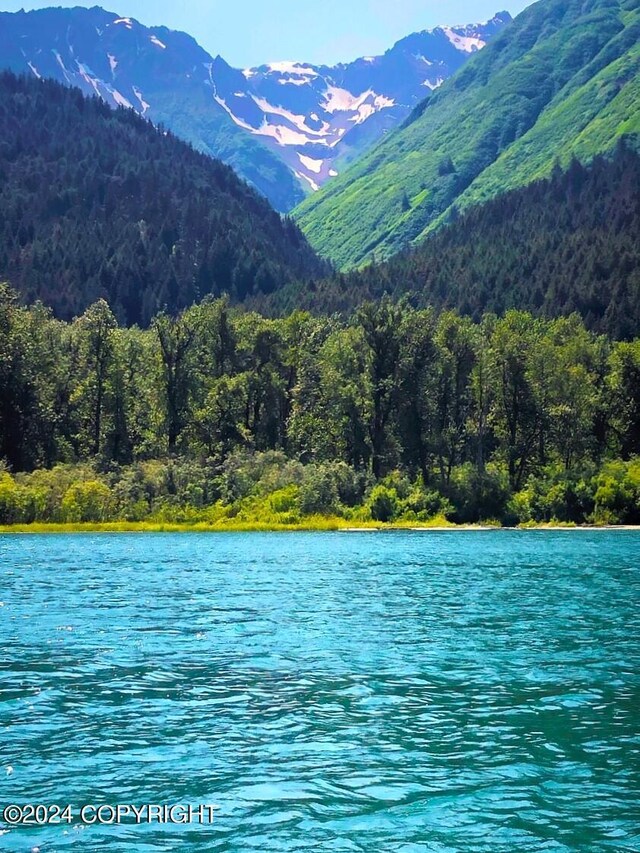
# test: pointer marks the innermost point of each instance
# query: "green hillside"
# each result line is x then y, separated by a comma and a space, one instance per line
97, 203
562, 80
564, 244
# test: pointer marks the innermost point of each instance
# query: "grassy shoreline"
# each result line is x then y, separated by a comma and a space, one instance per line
314, 524
311, 524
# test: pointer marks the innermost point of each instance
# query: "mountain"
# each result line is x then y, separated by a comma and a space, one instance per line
98, 203
568, 243
285, 127
561, 81
318, 118
164, 75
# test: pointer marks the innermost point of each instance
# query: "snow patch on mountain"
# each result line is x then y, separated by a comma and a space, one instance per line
126, 21
230, 113
155, 40
363, 112
294, 81
297, 69
62, 66
311, 164
88, 76
298, 121
468, 44
302, 176
285, 135
118, 97
144, 105
338, 100
434, 84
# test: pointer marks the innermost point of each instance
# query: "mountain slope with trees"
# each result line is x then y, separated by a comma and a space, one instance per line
561, 81
568, 243
162, 74
96, 203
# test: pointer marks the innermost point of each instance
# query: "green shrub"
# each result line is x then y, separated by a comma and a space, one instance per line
87, 501
318, 491
351, 485
479, 495
14, 501
518, 510
617, 497
246, 473
424, 505
285, 500
399, 483
47, 488
383, 504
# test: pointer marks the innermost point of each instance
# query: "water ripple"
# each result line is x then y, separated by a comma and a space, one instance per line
401, 693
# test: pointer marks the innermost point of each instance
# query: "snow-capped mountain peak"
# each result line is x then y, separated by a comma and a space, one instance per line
310, 119
315, 117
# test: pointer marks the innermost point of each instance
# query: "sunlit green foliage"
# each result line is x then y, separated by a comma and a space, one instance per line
569, 243
560, 81
226, 418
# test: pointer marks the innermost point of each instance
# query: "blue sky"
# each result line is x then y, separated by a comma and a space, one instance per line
250, 32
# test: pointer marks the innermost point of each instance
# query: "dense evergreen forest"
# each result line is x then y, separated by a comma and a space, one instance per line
96, 203
567, 244
395, 413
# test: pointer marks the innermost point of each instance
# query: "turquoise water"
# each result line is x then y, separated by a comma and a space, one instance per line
397, 692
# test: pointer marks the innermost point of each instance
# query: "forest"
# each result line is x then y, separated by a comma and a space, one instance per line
97, 203
395, 414
569, 243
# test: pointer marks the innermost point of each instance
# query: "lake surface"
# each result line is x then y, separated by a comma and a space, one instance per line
401, 692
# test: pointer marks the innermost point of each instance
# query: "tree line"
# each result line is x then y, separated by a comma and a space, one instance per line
395, 409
